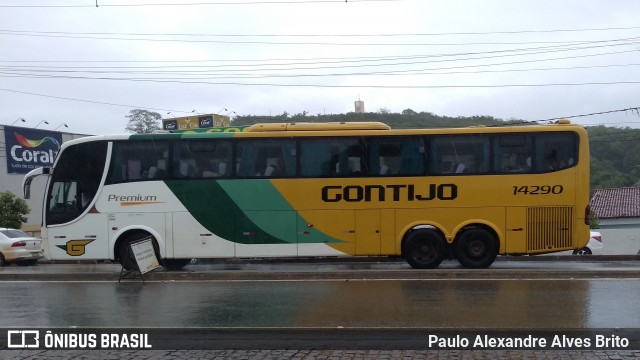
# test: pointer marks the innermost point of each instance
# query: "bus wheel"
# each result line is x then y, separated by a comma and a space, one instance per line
584, 251
175, 264
423, 249
476, 248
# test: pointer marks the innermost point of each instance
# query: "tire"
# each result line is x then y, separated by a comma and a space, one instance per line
3, 262
476, 248
126, 257
423, 249
584, 251
175, 264
28, 262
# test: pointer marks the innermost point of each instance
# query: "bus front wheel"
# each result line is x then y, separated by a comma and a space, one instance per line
476, 248
423, 249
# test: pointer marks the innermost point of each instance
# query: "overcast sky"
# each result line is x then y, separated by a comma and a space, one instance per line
70, 62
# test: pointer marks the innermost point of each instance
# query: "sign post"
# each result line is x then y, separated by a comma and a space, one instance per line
145, 256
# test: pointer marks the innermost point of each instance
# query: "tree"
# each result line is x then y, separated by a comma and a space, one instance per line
13, 210
143, 121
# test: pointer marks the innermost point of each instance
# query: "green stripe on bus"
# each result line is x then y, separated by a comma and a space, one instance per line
244, 211
174, 136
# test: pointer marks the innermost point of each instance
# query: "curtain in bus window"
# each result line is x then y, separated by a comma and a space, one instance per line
315, 160
247, 156
350, 158
339, 163
444, 156
134, 169
289, 157
413, 157
484, 157
374, 159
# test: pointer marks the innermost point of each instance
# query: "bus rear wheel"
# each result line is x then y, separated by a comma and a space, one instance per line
175, 264
423, 249
476, 248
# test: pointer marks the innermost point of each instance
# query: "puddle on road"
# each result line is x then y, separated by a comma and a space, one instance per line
434, 304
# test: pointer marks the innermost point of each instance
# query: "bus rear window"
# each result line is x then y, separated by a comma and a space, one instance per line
555, 151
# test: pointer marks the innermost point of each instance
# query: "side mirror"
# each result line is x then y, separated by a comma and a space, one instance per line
26, 183
27, 188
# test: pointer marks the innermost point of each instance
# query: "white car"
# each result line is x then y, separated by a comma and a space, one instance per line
19, 247
594, 247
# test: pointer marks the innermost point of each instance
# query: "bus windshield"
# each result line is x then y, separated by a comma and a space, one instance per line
75, 181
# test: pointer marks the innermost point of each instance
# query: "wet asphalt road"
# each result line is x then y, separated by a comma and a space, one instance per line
512, 294
361, 294
460, 304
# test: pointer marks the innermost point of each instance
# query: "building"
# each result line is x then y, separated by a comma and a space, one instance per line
359, 106
21, 150
618, 212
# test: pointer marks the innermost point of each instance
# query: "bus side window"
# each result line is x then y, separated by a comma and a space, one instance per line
513, 153
459, 154
332, 157
201, 158
348, 158
266, 158
396, 156
555, 151
138, 160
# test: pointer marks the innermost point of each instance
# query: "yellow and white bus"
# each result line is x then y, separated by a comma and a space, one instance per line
321, 189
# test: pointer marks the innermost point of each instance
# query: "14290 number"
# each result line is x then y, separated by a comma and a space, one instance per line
538, 190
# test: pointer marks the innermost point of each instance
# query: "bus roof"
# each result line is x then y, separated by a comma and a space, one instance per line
304, 129
328, 126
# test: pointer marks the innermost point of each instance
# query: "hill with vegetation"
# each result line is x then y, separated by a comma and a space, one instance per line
615, 152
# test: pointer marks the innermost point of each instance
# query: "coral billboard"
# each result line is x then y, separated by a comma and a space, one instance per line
27, 149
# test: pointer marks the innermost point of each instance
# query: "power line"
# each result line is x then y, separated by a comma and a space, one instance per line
315, 61
36, 73
236, 42
255, 68
635, 110
347, 35
92, 101
627, 82
328, 34
292, 2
